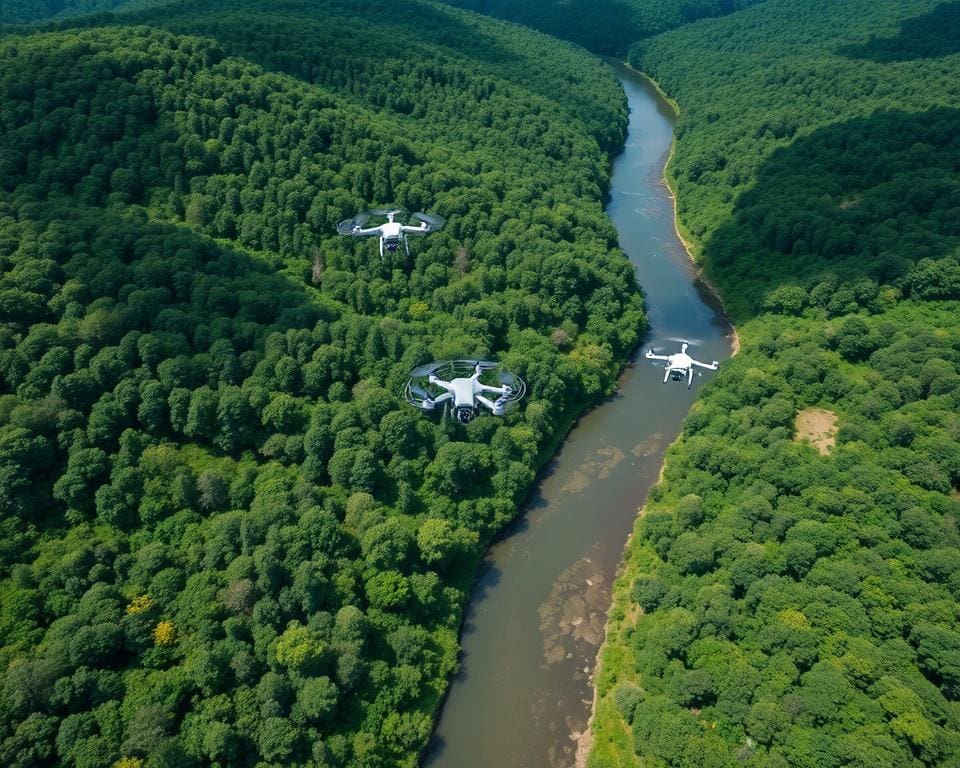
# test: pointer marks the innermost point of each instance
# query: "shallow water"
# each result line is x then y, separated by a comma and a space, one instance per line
537, 613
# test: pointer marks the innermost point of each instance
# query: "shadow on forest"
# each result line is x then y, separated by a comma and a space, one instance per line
301, 38
930, 36
144, 277
404, 61
196, 287
859, 200
605, 27
608, 27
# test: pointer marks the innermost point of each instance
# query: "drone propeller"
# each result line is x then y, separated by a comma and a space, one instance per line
420, 392
454, 369
681, 340
417, 396
422, 371
396, 211
346, 226
432, 220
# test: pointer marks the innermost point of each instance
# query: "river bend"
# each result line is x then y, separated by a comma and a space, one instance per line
538, 609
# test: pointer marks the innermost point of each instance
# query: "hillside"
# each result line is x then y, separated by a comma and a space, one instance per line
224, 539
607, 27
32, 11
790, 597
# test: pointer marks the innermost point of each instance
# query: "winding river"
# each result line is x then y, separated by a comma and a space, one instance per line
538, 609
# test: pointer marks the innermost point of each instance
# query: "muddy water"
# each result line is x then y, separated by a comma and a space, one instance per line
538, 610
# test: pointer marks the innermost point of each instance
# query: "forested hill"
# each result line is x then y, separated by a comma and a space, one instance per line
30, 11
790, 597
223, 538
392, 57
605, 26
806, 124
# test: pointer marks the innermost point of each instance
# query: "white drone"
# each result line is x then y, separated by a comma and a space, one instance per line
680, 365
393, 231
459, 381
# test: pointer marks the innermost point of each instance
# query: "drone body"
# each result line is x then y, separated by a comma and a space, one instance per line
680, 365
457, 382
393, 232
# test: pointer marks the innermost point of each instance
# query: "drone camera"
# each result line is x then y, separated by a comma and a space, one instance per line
464, 414
676, 375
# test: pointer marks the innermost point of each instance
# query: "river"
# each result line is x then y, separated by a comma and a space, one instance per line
538, 609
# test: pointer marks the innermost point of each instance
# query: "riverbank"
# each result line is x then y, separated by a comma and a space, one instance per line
670, 185
605, 727
539, 606
685, 240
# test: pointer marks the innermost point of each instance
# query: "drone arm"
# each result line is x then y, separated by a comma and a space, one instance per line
709, 366
442, 384
488, 388
422, 229
443, 398
360, 232
651, 356
495, 408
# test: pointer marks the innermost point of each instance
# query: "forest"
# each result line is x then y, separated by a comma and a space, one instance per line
790, 596
607, 27
224, 539
31, 11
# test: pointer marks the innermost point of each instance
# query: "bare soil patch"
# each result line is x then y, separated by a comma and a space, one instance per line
819, 427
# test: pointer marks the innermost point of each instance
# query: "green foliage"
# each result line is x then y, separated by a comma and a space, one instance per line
224, 538
28, 11
804, 611
878, 222
608, 26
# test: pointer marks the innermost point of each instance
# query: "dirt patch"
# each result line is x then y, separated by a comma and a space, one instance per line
819, 427
585, 743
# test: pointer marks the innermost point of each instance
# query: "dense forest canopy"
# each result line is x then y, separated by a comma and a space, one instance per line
223, 538
605, 26
823, 82
791, 595
29, 11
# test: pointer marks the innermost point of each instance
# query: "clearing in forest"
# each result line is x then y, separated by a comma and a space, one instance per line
819, 427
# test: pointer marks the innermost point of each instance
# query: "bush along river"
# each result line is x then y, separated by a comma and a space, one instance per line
537, 613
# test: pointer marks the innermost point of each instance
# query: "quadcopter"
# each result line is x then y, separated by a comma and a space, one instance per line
459, 380
680, 365
393, 231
